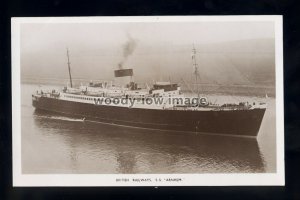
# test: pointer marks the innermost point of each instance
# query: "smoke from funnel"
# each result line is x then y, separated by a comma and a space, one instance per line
128, 49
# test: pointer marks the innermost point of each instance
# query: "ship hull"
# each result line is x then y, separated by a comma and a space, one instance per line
245, 123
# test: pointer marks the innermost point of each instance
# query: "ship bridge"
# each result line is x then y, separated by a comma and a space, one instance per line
166, 86
165, 89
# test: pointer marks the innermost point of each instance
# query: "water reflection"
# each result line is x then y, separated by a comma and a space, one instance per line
97, 148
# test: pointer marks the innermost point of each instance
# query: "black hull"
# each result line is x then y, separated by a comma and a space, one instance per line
231, 123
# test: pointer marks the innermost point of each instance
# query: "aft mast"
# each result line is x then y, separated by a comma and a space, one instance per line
196, 71
69, 67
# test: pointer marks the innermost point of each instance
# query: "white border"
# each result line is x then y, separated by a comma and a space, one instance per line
20, 179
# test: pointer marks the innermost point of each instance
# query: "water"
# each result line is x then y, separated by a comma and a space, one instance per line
60, 145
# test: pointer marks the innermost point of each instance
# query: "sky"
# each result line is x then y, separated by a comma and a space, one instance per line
157, 50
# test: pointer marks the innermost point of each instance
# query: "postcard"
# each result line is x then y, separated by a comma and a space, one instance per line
147, 101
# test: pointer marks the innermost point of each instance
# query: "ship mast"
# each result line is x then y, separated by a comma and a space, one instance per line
69, 67
196, 71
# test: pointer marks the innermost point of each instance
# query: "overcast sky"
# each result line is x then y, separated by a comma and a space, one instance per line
98, 47
43, 36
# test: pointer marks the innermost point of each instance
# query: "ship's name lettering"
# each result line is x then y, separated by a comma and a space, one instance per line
173, 179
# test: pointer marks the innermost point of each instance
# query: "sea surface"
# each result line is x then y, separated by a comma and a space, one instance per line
54, 144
